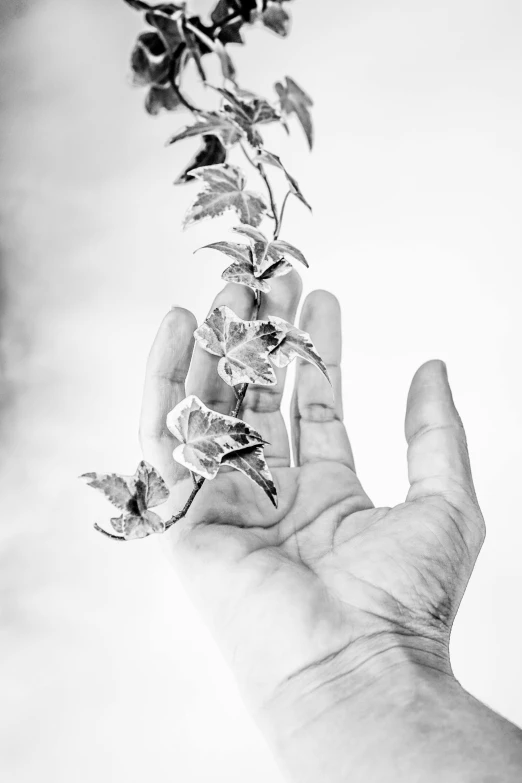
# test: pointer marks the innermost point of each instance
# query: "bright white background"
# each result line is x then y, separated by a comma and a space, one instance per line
415, 182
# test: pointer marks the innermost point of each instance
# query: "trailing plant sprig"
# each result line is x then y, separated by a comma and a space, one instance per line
248, 350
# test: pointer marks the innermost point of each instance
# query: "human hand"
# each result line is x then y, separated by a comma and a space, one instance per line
326, 583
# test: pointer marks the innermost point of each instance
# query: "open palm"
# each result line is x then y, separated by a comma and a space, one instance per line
325, 579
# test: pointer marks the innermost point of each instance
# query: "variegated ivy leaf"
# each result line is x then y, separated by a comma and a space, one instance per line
207, 437
135, 496
225, 189
275, 160
295, 343
275, 17
242, 271
266, 253
242, 345
280, 249
252, 463
211, 152
259, 244
149, 61
229, 31
228, 131
248, 110
294, 100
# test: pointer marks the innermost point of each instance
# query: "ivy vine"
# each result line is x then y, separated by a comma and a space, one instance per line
248, 349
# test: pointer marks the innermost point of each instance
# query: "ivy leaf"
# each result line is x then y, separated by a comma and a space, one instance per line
149, 60
295, 343
162, 97
243, 346
275, 160
294, 100
280, 249
252, 463
169, 27
259, 244
229, 33
135, 496
224, 190
212, 151
213, 123
138, 526
206, 436
276, 18
248, 110
266, 253
242, 271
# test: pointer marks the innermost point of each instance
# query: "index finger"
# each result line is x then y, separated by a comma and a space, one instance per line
167, 369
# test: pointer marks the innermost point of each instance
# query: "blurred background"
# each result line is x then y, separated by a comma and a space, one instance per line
107, 672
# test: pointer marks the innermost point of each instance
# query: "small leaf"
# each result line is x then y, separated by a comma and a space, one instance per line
252, 463
234, 250
243, 274
134, 495
162, 97
260, 244
294, 100
224, 190
278, 248
213, 123
229, 33
149, 61
295, 343
243, 271
113, 486
275, 160
132, 526
149, 486
248, 110
276, 18
211, 152
206, 436
170, 28
266, 253
243, 345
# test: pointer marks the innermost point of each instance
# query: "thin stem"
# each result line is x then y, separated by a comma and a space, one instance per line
201, 35
177, 89
281, 215
259, 166
108, 535
187, 505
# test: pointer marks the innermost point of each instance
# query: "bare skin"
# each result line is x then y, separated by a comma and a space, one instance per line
325, 597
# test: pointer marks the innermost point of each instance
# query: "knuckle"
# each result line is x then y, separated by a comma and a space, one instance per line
319, 412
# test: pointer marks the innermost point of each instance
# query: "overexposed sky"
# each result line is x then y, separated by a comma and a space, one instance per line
415, 182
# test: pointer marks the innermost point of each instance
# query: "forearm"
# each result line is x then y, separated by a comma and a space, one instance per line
409, 723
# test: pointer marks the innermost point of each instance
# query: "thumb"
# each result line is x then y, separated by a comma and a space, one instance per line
438, 460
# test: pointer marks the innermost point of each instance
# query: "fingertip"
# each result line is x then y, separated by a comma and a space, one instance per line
430, 397
318, 302
285, 291
172, 346
178, 322
432, 368
239, 298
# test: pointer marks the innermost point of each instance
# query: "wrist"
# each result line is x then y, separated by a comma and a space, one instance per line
371, 673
